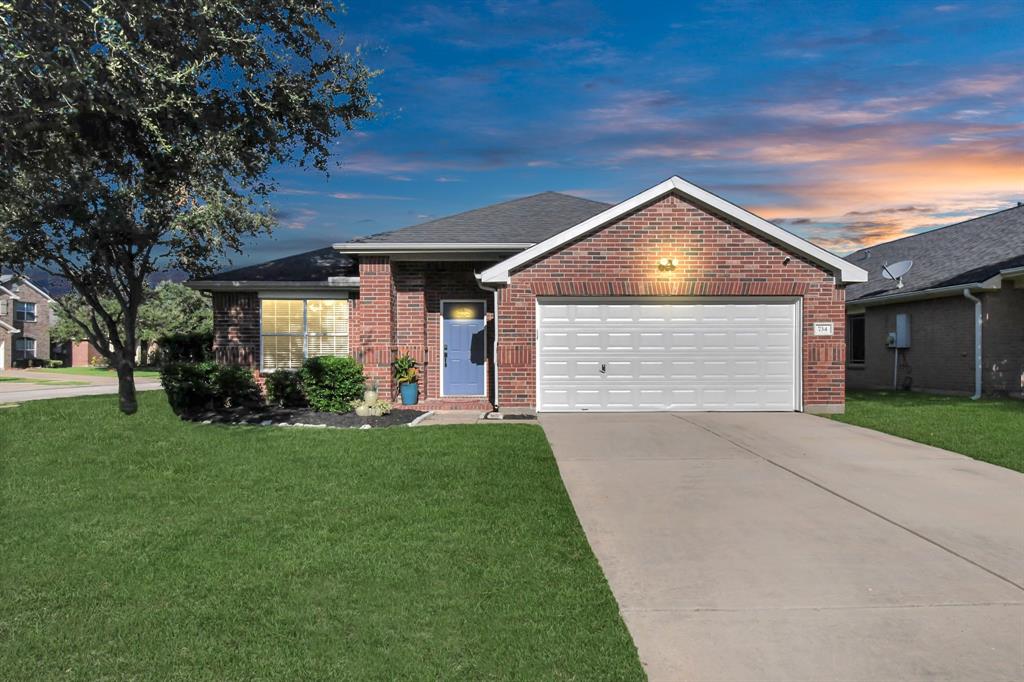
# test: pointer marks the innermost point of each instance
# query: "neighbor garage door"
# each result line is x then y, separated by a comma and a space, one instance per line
613, 355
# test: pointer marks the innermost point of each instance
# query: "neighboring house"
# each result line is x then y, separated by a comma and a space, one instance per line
674, 299
959, 313
25, 319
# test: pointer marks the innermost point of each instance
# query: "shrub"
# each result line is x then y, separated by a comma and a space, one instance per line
284, 388
186, 347
331, 384
190, 386
235, 387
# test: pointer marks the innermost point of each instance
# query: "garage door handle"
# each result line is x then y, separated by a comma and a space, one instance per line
604, 368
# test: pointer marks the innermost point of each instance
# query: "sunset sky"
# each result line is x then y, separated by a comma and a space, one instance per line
846, 122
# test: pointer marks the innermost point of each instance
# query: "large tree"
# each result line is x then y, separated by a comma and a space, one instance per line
140, 136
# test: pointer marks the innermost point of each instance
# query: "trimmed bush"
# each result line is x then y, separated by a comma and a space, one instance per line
235, 387
191, 347
194, 387
189, 386
331, 384
284, 388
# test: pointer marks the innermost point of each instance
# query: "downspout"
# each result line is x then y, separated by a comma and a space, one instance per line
494, 351
977, 342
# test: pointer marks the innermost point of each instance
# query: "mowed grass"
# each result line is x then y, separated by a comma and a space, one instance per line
97, 371
147, 548
991, 430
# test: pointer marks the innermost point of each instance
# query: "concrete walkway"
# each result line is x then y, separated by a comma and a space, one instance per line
792, 547
37, 385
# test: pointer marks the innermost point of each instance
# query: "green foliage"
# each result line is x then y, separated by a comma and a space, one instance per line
139, 137
186, 347
235, 387
284, 389
405, 369
331, 384
172, 309
193, 387
189, 386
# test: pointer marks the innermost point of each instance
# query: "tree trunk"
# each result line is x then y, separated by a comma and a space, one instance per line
127, 400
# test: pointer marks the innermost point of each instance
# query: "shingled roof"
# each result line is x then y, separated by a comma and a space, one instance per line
311, 266
963, 253
527, 220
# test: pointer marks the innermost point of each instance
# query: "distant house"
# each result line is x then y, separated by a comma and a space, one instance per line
25, 319
957, 322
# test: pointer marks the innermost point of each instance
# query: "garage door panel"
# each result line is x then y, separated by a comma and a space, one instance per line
667, 356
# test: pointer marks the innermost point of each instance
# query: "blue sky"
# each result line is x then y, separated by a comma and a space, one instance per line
846, 122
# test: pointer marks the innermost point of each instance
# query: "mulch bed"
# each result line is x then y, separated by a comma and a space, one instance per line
284, 416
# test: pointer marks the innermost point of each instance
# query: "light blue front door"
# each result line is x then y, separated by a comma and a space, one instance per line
464, 351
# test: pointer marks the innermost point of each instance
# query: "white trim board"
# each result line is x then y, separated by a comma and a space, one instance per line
846, 272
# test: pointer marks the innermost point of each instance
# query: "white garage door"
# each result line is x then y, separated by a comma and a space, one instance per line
619, 356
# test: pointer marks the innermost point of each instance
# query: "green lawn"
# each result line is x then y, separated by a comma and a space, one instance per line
991, 430
147, 548
96, 371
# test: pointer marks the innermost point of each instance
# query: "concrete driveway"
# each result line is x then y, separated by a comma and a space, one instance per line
37, 385
791, 547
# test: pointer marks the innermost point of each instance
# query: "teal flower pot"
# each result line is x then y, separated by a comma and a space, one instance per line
410, 393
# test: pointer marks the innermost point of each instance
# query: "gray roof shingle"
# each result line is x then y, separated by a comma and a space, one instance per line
529, 220
311, 266
962, 253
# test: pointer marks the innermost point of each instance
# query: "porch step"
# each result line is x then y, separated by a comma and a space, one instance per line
475, 404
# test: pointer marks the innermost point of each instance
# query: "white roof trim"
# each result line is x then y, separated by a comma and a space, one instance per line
9, 328
427, 247
5, 290
993, 283
26, 280
273, 285
846, 271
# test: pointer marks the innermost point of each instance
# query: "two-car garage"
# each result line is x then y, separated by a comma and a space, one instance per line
668, 354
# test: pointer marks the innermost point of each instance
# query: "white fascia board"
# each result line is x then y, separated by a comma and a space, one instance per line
412, 247
846, 271
8, 328
13, 296
26, 281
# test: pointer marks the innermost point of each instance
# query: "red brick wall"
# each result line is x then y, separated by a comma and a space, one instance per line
375, 341
236, 329
716, 258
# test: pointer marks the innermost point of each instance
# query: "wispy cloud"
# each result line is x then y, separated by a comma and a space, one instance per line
360, 196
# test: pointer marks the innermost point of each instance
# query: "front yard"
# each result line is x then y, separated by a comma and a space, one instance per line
144, 547
991, 430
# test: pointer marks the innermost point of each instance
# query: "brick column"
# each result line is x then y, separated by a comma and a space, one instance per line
377, 321
411, 316
236, 329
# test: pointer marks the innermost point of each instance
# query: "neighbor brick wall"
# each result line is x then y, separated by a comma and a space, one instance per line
716, 258
38, 330
941, 353
236, 328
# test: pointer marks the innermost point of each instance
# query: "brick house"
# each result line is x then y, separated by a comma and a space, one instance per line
25, 319
954, 323
674, 299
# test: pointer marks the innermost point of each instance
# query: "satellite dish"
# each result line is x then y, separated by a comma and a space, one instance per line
896, 271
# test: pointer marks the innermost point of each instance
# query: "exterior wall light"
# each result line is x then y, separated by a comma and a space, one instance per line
667, 264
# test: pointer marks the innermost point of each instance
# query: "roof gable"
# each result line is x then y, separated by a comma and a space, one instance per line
844, 270
968, 252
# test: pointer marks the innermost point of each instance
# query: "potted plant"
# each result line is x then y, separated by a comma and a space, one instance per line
407, 378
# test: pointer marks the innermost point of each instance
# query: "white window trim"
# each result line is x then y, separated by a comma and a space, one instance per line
23, 305
19, 354
294, 296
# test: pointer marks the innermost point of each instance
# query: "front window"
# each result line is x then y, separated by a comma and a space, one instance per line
295, 329
855, 339
24, 348
24, 312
